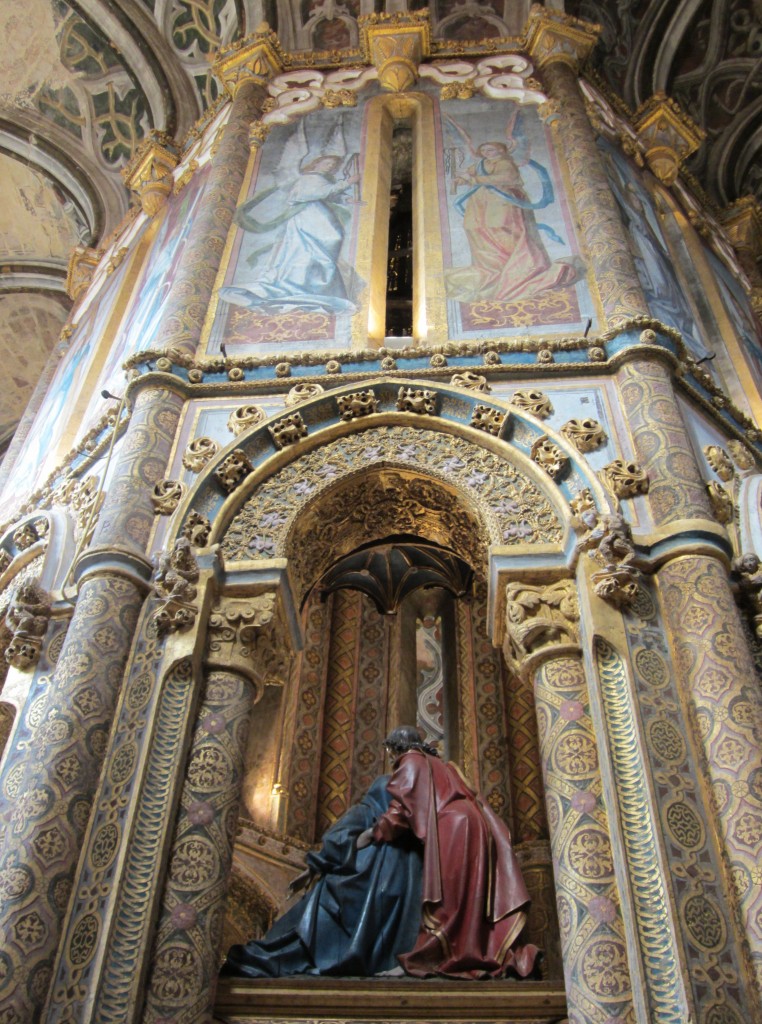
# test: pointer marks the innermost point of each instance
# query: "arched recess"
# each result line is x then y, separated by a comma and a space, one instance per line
474, 478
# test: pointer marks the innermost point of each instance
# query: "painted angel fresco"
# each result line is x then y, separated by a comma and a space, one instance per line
296, 261
508, 256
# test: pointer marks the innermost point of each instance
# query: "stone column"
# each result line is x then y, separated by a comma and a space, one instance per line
717, 671
676, 488
542, 644
245, 69
186, 954
559, 45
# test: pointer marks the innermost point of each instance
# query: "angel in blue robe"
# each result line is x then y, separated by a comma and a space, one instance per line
364, 908
304, 269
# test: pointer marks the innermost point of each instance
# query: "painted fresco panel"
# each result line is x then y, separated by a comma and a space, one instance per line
654, 263
512, 261
289, 282
139, 327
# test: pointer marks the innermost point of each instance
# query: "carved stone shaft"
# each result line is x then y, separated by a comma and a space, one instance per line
59, 774
184, 961
193, 281
610, 253
663, 449
719, 678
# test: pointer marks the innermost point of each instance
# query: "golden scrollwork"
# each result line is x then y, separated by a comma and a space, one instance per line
79, 273
245, 416
233, 470
549, 457
492, 421
302, 393
358, 404
625, 479
333, 98
586, 435
27, 618
720, 461
174, 583
166, 496
533, 401
184, 179
471, 381
199, 452
288, 430
742, 455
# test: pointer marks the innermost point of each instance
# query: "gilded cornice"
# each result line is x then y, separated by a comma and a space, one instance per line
553, 37
667, 135
149, 172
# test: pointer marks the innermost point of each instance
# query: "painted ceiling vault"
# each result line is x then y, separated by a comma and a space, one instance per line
83, 81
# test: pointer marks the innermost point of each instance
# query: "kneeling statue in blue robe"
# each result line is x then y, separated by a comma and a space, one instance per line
363, 910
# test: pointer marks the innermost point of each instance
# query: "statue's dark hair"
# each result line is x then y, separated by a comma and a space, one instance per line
407, 737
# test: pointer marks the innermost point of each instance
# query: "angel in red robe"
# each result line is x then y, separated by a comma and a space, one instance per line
474, 900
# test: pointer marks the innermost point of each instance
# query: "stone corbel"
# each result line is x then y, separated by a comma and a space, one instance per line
255, 59
396, 44
541, 622
79, 274
175, 583
551, 36
27, 617
609, 541
149, 173
668, 136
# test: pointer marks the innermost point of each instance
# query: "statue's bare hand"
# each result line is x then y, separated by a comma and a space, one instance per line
301, 881
364, 839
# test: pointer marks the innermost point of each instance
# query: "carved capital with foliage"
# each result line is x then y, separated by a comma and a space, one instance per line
396, 44
245, 635
541, 621
149, 173
27, 618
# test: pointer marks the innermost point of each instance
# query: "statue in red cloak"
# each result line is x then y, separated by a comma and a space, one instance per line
474, 898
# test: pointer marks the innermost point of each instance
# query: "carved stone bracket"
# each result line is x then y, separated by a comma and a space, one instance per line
625, 479
534, 402
609, 540
417, 400
238, 640
257, 58
540, 621
197, 529
358, 404
552, 36
149, 173
668, 136
396, 44
175, 582
233, 470
27, 618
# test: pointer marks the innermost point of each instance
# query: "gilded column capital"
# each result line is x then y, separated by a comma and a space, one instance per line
541, 622
79, 273
553, 37
396, 44
149, 172
246, 636
667, 134
255, 59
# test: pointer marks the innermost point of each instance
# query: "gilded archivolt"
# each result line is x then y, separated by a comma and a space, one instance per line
512, 508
